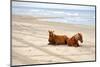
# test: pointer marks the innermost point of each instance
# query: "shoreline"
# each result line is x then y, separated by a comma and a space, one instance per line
93, 25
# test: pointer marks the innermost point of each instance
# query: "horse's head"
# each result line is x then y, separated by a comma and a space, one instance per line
51, 33
79, 37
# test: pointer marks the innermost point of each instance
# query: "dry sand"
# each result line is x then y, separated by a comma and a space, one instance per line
30, 42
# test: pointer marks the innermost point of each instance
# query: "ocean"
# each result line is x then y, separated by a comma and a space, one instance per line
63, 13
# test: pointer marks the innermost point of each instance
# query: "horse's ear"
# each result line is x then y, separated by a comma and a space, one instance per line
80, 34
53, 31
48, 30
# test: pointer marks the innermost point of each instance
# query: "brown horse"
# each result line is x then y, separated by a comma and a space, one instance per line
73, 41
57, 39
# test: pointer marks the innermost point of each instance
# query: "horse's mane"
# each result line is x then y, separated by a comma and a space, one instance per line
76, 36
80, 35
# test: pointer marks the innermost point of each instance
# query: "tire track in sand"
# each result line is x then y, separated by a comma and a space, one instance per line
43, 49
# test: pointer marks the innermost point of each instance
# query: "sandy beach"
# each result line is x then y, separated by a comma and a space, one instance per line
30, 41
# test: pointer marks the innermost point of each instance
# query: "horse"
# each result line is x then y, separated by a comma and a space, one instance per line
73, 41
57, 39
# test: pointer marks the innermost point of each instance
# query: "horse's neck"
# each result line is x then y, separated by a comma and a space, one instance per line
54, 35
73, 38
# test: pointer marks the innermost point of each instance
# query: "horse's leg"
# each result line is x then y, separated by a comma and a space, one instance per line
68, 42
77, 44
56, 43
49, 43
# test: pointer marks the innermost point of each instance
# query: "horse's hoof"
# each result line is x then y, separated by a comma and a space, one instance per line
49, 43
76, 46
